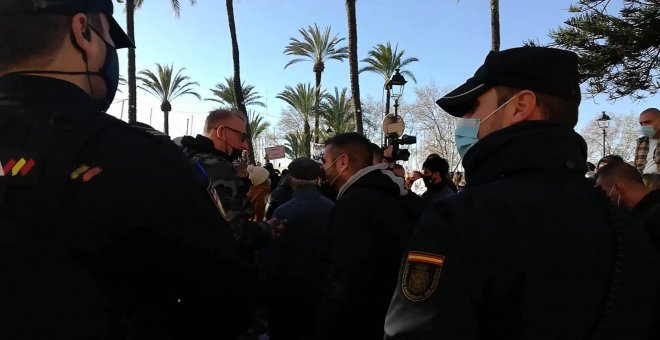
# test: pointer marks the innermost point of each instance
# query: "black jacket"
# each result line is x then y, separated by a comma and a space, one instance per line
527, 251
110, 233
647, 211
279, 196
368, 229
436, 192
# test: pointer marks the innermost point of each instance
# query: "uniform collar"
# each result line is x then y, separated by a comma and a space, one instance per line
534, 146
32, 90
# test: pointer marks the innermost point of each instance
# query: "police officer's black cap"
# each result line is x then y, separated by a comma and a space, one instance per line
541, 69
69, 7
304, 168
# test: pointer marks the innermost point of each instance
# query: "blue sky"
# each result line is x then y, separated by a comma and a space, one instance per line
450, 38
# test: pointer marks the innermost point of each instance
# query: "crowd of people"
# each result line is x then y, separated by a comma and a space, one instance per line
114, 231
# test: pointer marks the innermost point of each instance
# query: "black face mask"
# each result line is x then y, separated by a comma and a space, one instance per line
428, 180
109, 72
235, 155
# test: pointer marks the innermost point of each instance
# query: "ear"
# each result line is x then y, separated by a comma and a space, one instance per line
621, 187
525, 106
82, 34
343, 161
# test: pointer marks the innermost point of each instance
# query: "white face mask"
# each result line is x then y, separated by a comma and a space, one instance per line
618, 200
467, 129
325, 169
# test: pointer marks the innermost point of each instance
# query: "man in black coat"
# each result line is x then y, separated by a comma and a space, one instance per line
368, 231
106, 231
529, 250
625, 187
436, 179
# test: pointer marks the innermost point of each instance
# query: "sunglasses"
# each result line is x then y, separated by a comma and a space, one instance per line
243, 134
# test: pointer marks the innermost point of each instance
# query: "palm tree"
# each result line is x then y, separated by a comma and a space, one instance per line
353, 64
131, 6
238, 90
336, 112
316, 47
167, 86
301, 99
384, 61
226, 96
495, 24
257, 124
295, 146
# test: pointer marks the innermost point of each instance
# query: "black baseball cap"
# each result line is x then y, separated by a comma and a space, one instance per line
541, 69
304, 168
69, 7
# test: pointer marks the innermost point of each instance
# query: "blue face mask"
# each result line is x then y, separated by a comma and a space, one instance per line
467, 130
648, 131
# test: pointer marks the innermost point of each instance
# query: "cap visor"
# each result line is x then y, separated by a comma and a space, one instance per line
459, 101
118, 35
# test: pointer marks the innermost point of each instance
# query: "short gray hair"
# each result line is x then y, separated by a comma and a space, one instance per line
215, 117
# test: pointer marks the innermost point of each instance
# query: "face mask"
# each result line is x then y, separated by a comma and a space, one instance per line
428, 180
618, 200
235, 154
648, 131
330, 183
109, 72
467, 130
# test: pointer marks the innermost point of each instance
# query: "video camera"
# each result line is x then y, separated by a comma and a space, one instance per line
393, 127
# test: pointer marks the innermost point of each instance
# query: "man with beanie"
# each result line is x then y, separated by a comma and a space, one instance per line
530, 249
293, 269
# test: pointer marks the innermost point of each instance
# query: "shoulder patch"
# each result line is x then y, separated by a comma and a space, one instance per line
85, 172
19, 168
421, 275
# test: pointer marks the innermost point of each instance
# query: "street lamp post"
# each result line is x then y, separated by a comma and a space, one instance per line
604, 124
394, 86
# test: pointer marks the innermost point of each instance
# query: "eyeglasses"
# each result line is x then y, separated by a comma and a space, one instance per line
243, 134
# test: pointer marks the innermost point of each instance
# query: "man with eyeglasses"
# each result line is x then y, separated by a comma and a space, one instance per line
219, 152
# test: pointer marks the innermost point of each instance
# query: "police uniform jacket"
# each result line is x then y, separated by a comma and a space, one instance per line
106, 231
529, 250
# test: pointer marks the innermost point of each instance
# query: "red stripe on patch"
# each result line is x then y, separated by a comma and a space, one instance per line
7, 168
27, 167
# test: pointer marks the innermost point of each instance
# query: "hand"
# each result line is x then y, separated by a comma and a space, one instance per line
241, 169
388, 152
276, 226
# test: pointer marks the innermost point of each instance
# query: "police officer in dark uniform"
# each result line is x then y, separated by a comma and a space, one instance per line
530, 249
106, 232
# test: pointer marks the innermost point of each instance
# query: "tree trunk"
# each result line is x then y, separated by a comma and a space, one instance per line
495, 24
166, 122
307, 139
317, 114
387, 109
353, 64
238, 91
132, 81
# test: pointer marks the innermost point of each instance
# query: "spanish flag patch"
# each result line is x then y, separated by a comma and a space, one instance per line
437, 260
421, 275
